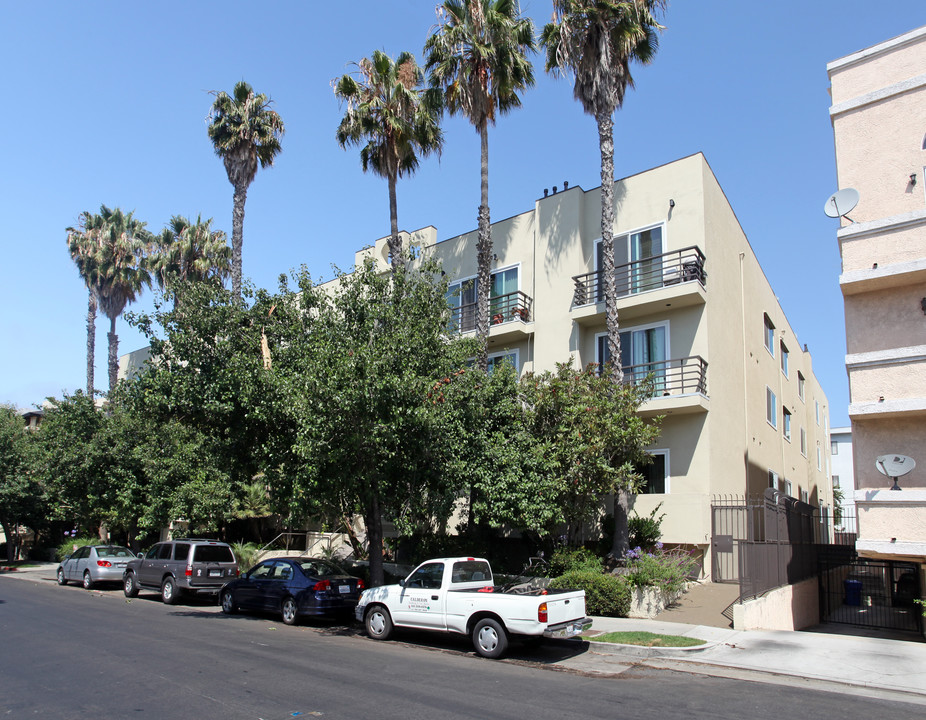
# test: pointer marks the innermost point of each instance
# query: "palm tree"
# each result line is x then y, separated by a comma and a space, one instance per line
596, 40
186, 251
478, 56
245, 131
123, 272
83, 245
387, 110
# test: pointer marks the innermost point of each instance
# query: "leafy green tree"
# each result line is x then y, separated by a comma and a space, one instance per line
187, 251
478, 55
394, 118
21, 495
596, 41
245, 131
84, 246
591, 435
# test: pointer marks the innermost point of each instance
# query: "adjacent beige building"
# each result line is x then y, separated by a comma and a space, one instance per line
879, 124
742, 408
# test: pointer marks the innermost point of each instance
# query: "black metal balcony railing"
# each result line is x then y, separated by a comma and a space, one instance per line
682, 376
507, 308
652, 273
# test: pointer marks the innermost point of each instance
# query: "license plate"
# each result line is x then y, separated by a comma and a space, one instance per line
215, 573
344, 589
120, 564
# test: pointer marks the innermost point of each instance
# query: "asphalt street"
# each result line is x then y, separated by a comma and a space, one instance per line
70, 653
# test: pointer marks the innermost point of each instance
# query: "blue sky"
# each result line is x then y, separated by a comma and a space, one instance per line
108, 104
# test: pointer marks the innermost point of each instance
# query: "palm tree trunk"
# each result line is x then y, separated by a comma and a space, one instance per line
395, 243
483, 257
113, 356
91, 341
622, 500
241, 196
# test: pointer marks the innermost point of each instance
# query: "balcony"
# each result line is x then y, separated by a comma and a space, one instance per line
510, 318
675, 279
679, 386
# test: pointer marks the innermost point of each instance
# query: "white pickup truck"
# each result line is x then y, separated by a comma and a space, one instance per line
458, 595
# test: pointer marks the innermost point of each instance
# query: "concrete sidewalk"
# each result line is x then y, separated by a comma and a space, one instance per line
893, 669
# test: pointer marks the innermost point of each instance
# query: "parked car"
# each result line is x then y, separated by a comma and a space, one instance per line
181, 566
92, 564
293, 587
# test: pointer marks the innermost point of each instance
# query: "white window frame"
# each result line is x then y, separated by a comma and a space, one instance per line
816, 411
665, 453
786, 423
819, 458
505, 353
803, 441
787, 487
801, 381
771, 407
649, 326
768, 330
772, 479
625, 235
785, 356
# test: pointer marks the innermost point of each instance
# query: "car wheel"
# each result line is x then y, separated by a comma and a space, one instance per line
88, 581
62, 580
490, 638
169, 593
378, 623
228, 603
288, 610
129, 586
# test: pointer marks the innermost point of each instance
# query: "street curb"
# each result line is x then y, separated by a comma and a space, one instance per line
612, 648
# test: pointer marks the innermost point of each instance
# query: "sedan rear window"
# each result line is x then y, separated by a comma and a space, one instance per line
213, 553
320, 568
114, 552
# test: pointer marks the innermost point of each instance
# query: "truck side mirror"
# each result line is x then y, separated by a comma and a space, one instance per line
401, 583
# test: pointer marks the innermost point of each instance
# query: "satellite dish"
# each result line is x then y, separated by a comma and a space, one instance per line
894, 466
841, 202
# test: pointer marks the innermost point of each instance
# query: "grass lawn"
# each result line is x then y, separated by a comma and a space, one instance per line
646, 639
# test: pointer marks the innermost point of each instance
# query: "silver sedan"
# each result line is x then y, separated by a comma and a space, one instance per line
92, 564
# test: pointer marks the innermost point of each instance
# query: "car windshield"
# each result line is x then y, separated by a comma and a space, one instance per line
116, 552
320, 568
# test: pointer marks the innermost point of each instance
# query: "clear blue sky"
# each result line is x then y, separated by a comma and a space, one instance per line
107, 103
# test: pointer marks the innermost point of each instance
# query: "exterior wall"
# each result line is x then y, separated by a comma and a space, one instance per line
879, 102
842, 468
716, 442
791, 607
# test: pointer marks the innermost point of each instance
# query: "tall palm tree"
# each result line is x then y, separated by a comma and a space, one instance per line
123, 272
186, 251
478, 55
83, 245
245, 131
596, 40
399, 121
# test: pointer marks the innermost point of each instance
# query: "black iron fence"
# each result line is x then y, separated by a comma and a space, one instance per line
671, 268
681, 376
511, 307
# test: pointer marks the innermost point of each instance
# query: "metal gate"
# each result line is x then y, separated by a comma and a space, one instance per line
871, 593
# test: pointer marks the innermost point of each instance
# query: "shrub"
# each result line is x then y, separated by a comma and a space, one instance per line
667, 569
567, 560
605, 595
246, 553
645, 531
72, 543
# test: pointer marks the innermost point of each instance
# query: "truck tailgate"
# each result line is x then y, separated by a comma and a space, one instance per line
561, 608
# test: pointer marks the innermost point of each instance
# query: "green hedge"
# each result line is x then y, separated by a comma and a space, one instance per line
605, 595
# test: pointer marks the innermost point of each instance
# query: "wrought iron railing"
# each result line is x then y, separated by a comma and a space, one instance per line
512, 307
652, 273
682, 376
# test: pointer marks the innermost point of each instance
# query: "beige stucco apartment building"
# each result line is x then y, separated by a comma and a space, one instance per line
879, 123
742, 408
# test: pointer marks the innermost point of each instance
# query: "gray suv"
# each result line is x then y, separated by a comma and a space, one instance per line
181, 566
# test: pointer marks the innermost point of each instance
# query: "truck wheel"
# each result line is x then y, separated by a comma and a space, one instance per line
490, 638
129, 586
378, 623
169, 592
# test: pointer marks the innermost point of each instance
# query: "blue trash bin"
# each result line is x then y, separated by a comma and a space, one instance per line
853, 590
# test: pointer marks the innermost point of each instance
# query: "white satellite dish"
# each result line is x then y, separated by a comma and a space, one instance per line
894, 466
841, 202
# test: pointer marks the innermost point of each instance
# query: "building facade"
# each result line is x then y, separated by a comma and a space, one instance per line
878, 114
843, 476
742, 408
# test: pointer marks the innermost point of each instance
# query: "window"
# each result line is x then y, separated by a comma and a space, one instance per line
816, 412
773, 479
470, 571
834, 447
819, 459
786, 487
637, 261
835, 481
800, 385
786, 423
643, 351
504, 302
655, 474
181, 551
428, 576
784, 359
803, 442
771, 407
769, 336
461, 296
496, 359
805, 496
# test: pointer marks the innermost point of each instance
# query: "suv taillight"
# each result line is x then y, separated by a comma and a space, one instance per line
360, 585
189, 571
542, 613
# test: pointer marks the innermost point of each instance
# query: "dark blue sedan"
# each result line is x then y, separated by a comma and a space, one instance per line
293, 587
